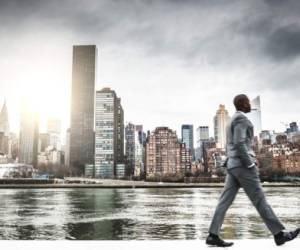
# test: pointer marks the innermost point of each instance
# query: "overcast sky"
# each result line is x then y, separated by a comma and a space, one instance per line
171, 62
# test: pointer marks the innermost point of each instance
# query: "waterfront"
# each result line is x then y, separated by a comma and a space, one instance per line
135, 214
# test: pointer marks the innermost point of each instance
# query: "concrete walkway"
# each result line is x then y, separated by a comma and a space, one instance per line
246, 244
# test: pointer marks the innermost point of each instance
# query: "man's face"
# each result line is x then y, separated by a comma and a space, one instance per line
247, 106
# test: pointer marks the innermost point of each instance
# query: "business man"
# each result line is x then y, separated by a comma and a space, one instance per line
242, 172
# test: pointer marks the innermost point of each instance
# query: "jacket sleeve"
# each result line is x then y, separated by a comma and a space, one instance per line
239, 141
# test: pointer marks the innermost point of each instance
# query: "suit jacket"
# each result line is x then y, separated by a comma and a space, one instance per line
240, 141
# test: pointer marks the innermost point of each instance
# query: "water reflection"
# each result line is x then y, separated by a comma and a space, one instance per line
134, 214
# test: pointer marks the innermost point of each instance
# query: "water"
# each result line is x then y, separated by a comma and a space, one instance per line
135, 214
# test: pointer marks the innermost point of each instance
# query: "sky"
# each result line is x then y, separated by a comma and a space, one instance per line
172, 62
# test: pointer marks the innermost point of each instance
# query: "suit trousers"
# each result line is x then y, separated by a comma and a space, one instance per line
248, 179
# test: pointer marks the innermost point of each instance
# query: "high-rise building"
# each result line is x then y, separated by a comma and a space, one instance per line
165, 154
135, 151
54, 131
294, 127
187, 135
4, 124
109, 135
82, 107
220, 122
29, 136
142, 134
67, 148
4, 144
255, 115
120, 133
202, 135
44, 142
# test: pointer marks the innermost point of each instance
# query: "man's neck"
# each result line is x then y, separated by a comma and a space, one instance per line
241, 112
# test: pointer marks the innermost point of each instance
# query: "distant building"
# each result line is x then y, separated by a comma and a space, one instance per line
165, 154
29, 136
4, 124
51, 156
44, 142
187, 135
135, 151
4, 130
82, 108
202, 136
3, 143
109, 133
67, 148
54, 131
255, 115
220, 122
267, 137
120, 133
13, 147
120, 170
16, 170
293, 128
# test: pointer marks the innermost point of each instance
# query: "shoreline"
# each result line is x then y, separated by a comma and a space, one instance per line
134, 185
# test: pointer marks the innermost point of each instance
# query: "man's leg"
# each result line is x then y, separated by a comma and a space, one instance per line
249, 180
229, 192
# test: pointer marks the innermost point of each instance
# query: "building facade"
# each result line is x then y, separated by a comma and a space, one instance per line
29, 136
82, 108
187, 135
109, 134
220, 122
255, 115
44, 142
135, 151
4, 124
54, 131
165, 154
202, 136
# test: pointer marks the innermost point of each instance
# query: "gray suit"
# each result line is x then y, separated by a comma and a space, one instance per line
242, 172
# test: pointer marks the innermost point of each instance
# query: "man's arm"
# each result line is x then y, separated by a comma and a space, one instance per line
239, 140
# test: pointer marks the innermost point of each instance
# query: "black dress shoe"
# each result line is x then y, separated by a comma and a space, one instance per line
217, 241
283, 237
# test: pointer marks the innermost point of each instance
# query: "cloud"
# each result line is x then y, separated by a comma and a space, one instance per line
284, 43
228, 46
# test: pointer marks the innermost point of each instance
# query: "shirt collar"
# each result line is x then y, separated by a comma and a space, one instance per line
238, 111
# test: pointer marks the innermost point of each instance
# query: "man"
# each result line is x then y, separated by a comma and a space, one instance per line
242, 172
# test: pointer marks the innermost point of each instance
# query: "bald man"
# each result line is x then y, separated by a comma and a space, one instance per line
242, 172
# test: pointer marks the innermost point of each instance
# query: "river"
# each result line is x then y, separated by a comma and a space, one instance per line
135, 214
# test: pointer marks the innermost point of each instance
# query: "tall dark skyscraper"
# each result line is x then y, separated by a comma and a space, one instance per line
82, 108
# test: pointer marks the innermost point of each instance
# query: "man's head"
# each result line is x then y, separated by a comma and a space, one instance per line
242, 103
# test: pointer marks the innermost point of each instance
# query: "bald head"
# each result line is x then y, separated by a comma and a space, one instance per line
242, 103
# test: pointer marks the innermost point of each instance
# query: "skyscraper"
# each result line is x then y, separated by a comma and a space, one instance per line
109, 135
220, 121
82, 108
120, 133
202, 135
54, 131
4, 124
135, 151
187, 135
255, 115
29, 135
4, 130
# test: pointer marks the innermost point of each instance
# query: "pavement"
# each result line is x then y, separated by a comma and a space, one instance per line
244, 244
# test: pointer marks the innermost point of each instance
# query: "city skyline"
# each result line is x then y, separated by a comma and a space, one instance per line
173, 78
